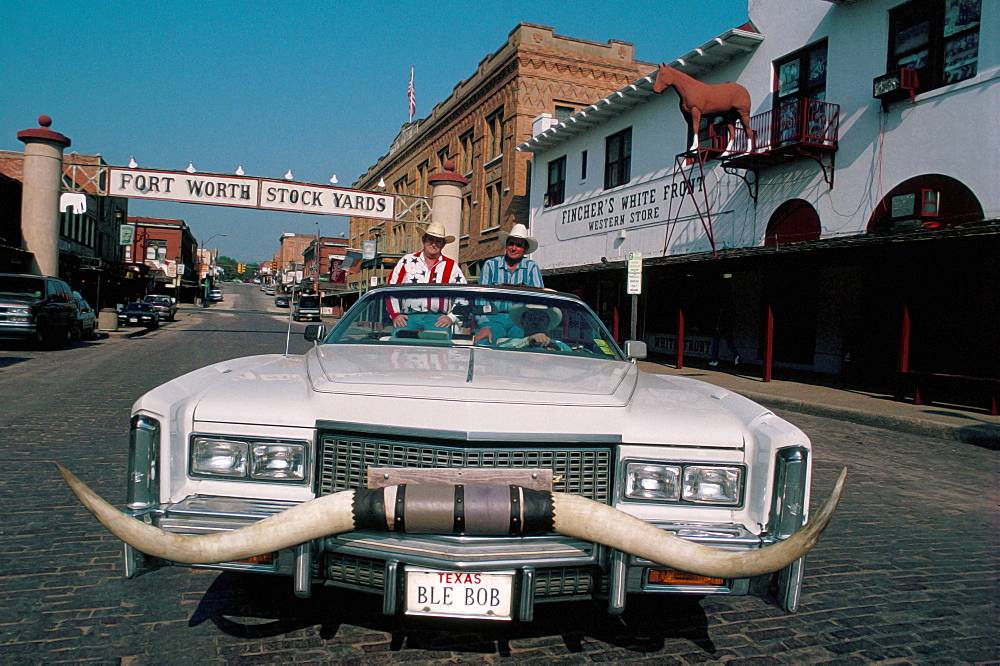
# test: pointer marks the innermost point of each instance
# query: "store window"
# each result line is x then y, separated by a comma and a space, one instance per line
618, 159
556, 192
937, 38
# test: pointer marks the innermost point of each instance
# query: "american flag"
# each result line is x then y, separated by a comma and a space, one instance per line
411, 95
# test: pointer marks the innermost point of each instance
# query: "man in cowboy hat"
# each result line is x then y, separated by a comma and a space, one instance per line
509, 268
426, 266
536, 322
512, 267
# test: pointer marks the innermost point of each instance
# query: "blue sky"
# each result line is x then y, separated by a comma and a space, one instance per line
315, 87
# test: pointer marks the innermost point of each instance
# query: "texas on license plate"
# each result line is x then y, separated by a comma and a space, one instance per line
469, 594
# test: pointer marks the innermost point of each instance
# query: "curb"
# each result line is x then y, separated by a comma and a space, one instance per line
985, 435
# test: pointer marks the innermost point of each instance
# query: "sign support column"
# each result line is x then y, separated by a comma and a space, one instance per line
446, 206
634, 287
41, 187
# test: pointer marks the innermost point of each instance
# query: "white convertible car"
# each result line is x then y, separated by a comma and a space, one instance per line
467, 452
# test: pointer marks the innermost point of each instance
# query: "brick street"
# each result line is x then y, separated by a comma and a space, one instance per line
907, 572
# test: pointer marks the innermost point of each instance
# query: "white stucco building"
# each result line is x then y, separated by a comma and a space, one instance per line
850, 212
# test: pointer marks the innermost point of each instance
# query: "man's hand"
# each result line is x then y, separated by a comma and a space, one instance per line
539, 340
399, 320
444, 321
483, 334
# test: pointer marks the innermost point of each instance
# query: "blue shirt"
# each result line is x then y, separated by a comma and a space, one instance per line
495, 271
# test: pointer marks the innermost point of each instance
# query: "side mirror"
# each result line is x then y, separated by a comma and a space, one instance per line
635, 349
315, 332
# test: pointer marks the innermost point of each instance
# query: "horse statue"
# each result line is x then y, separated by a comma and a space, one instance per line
730, 100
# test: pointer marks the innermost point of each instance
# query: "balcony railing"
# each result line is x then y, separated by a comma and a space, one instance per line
802, 123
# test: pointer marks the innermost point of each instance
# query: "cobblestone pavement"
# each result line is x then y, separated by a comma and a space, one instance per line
907, 572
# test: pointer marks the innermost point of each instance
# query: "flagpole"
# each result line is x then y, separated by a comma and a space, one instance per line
411, 95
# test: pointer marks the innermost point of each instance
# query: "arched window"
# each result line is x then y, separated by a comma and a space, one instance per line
928, 201
794, 221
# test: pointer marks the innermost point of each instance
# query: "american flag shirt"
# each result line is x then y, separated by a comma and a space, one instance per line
413, 269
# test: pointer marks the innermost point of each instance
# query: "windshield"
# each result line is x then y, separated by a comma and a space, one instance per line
142, 307
21, 287
308, 302
525, 320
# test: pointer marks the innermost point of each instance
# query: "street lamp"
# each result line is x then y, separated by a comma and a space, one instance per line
201, 256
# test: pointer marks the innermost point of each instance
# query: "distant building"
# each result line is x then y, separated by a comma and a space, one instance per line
164, 255
290, 265
90, 257
477, 127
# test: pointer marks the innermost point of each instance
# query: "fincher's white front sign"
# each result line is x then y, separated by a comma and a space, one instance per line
248, 192
654, 202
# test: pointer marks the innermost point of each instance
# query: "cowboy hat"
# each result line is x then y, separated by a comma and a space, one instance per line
519, 231
435, 229
519, 310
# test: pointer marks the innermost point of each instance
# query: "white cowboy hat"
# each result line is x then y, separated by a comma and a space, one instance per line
435, 229
518, 311
519, 231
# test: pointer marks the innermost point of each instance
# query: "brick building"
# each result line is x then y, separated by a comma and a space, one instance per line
477, 127
159, 246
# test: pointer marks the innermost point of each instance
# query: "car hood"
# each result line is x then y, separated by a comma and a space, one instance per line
476, 374
511, 395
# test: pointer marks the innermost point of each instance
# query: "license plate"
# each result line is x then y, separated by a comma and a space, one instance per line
132, 320
466, 594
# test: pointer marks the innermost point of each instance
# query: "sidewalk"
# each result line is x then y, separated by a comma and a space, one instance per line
867, 408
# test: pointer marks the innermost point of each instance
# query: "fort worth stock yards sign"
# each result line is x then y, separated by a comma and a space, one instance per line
248, 193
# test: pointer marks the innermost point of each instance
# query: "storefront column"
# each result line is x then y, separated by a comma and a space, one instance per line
41, 187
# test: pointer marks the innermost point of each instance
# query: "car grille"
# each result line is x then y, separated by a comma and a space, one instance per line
362, 573
345, 459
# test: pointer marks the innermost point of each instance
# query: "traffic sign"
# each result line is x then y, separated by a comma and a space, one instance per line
633, 282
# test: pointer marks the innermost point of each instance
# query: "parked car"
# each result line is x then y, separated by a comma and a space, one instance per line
307, 308
139, 314
269, 290
165, 305
38, 309
468, 476
281, 301
86, 318
215, 295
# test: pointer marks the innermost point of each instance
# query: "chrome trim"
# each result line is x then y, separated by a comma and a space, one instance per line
390, 589
142, 489
456, 553
526, 604
617, 582
303, 570
468, 436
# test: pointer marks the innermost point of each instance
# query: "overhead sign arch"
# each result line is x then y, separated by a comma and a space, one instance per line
248, 192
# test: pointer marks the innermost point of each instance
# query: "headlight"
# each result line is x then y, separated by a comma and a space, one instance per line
712, 485
19, 311
681, 483
255, 460
219, 457
278, 462
652, 482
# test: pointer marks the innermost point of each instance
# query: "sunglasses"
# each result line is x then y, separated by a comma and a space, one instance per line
434, 241
517, 243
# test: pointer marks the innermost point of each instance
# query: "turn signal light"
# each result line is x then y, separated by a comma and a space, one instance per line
671, 577
267, 558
